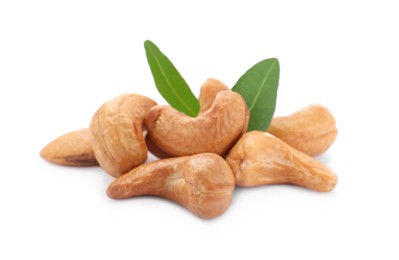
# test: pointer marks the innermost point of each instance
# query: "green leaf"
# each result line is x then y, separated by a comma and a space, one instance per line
169, 82
258, 86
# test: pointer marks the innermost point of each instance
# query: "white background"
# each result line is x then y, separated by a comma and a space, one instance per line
60, 60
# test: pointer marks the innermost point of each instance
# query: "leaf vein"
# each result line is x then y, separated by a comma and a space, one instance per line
262, 86
169, 83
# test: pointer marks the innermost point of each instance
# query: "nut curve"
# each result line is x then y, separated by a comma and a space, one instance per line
155, 150
117, 137
213, 131
209, 89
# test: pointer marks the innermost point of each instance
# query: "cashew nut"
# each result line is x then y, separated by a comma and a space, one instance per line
117, 137
71, 149
214, 131
259, 158
203, 183
209, 89
311, 130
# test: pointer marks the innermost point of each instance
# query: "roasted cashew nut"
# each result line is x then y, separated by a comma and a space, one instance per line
203, 183
117, 136
213, 131
259, 158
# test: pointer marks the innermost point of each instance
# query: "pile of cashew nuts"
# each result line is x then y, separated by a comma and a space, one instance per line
202, 158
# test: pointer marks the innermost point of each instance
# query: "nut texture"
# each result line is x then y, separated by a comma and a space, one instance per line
71, 149
117, 137
154, 149
259, 158
202, 183
213, 131
311, 130
208, 92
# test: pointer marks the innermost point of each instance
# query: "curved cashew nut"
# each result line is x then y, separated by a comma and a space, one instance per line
311, 130
214, 131
203, 183
209, 89
117, 137
259, 158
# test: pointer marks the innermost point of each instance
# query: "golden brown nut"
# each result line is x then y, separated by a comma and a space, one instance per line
311, 130
208, 92
202, 183
154, 149
117, 137
259, 158
71, 149
214, 131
